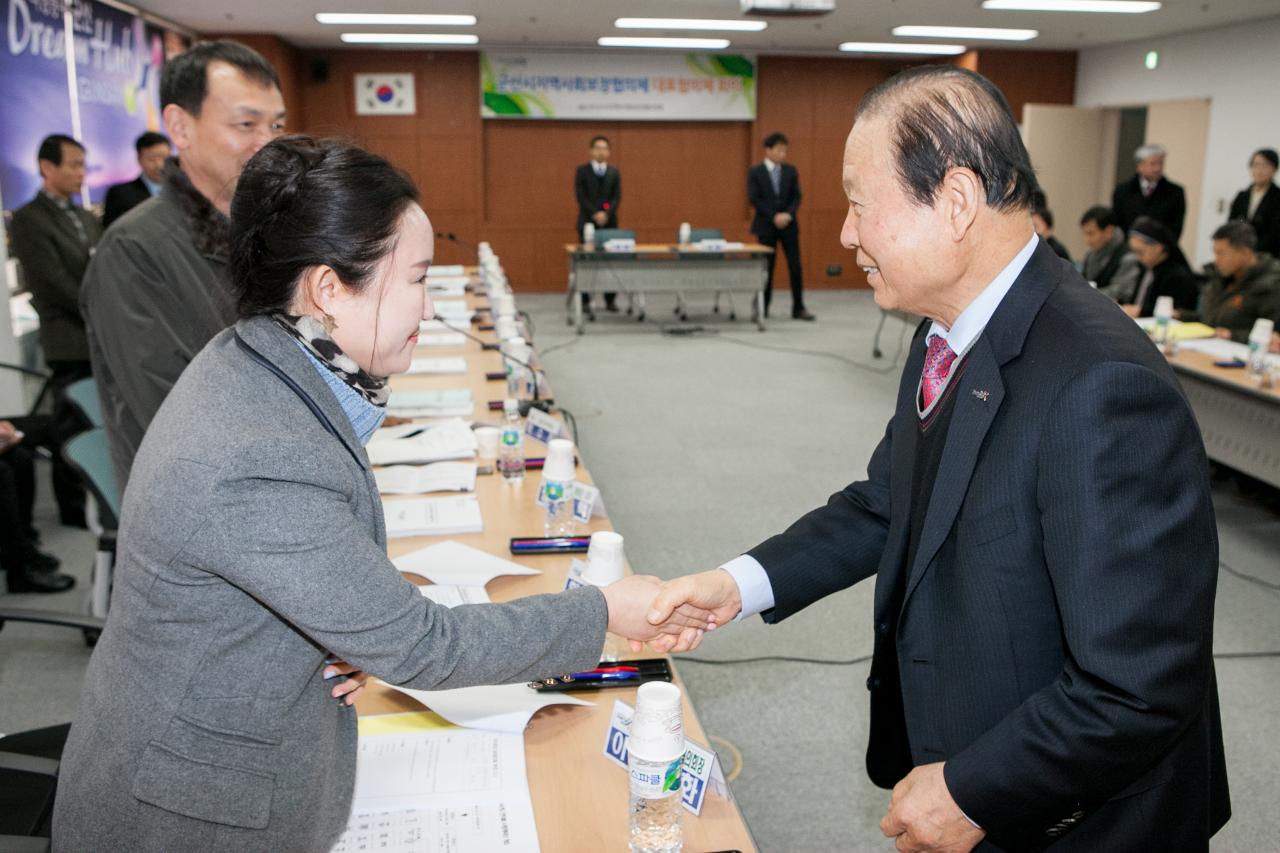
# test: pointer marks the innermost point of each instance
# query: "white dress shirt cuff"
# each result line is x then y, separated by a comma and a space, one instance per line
753, 585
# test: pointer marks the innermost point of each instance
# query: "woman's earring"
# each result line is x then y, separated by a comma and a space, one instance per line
329, 323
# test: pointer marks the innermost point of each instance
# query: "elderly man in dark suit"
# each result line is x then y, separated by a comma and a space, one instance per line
1150, 193
153, 151
598, 189
773, 188
53, 240
1037, 517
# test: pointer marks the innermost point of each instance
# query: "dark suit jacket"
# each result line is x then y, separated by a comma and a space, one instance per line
1172, 277
1167, 204
767, 203
1055, 631
1266, 219
596, 194
122, 198
54, 258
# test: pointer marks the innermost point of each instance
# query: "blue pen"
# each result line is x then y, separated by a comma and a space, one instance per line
601, 676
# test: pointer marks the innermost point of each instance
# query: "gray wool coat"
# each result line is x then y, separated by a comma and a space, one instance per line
252, 546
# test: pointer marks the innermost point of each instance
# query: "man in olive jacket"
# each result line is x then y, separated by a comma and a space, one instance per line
1244, 284
156, 291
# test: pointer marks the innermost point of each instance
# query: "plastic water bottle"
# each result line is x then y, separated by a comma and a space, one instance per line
516, 354
1259, 340
589, 235
511, 443
557, 481
1164, 319
655, 755
684, 234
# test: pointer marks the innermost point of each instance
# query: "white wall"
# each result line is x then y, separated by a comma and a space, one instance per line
1237, 67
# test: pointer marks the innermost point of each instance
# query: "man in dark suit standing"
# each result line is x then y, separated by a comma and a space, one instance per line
53, 240
598, 188
1037, 517
773, 188
153, 151
1150, 193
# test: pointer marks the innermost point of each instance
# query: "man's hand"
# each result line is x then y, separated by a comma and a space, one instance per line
923, 817
9, 436
1131, 310
347, 691
781, 220
1275, 341
631, 609
714, 593
600, 218
1222, 332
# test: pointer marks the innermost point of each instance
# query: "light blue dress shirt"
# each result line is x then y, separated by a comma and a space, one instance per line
753, 583
365, 417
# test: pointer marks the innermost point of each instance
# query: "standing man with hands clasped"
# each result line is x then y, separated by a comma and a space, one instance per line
598, 188
1037, 518
773, 188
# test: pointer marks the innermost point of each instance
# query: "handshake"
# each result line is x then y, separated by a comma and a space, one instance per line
671, 616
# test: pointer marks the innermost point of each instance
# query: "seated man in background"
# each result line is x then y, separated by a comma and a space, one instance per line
26, 568
1042, 220
1167, 271
1109, 264
156, 291
1244, 284
153, 151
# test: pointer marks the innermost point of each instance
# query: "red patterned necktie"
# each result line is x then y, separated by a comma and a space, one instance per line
937, 364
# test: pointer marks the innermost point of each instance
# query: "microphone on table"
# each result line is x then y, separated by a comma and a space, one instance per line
525, 405
454, 238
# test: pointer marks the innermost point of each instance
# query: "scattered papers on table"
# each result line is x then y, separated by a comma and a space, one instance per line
455, 364
442, 339
497, 708
408, 443
454, 310
1178, 330
441, 403
432, 516
454, 563
421, 479
1218, 348
451, 595
446, 271
441, 791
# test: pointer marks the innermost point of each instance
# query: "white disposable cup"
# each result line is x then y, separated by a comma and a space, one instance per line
605, 562
1263, 328
559, 464
487, 441
1164, 308
657, 729
505, 328
502, 305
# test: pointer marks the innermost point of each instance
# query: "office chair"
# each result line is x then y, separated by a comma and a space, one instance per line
28, 780
83, 394
89, 456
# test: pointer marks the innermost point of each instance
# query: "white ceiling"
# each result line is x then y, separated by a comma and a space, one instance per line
578, 23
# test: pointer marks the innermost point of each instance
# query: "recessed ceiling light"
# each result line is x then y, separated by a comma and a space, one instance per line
355, 19
1115, 7
409, 38
902, 47
689, 24
694, 44
991, 33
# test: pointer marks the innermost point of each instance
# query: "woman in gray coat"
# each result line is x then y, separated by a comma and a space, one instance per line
251, 565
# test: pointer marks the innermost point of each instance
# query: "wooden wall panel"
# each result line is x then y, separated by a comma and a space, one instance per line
511, 181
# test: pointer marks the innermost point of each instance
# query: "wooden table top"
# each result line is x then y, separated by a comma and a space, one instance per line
688, 250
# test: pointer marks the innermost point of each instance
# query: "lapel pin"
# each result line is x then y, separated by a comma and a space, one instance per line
982, 395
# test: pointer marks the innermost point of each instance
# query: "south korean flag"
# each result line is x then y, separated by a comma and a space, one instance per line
385, 95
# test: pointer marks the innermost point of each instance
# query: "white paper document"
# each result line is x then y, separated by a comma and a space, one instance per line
442, 791
422, 479
442, 339
496, 708
458, 564
453, 310
433, 516
441, 403
408, 443
446, 271
450, 595
456, 364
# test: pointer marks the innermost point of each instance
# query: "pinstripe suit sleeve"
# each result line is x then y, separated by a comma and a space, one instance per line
832, 547
1131, 549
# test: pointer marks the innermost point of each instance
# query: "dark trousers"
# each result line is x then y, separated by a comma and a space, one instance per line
789, 237
67, 422
610, 297
17, 497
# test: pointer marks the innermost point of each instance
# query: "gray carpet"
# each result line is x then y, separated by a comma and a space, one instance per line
706, 444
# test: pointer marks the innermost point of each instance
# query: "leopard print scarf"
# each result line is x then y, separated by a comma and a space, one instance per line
311, 334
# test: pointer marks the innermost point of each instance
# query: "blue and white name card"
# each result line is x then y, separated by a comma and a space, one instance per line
541, 426
699, 773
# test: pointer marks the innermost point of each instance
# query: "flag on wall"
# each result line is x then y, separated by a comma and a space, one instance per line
385, 95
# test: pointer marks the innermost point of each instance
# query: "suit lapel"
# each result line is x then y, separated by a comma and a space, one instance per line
61, 220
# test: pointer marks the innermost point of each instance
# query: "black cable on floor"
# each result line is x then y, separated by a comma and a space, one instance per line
1244, 576
772, 659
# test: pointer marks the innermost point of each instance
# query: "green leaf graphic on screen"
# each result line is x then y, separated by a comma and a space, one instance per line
503, 105
728, 65
735, 66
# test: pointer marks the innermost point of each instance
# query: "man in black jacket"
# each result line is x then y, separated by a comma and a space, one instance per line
157, 292
598, 188
773, 188
53, 241
153, 151
1150, 193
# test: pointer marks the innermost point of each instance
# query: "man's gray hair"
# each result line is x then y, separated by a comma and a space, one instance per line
1145, 151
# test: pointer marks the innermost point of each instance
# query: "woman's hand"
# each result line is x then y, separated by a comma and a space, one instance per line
347, 691
630, 603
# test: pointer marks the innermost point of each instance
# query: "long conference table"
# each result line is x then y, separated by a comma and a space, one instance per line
1239, 419
580, 799
668, 268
